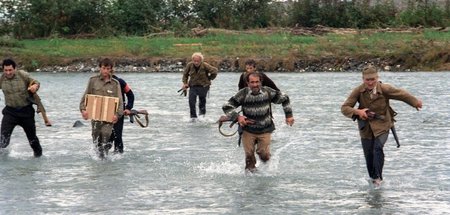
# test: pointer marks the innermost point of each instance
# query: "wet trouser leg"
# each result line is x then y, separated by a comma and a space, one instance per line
8, 125
29, 126
192, 101
116, 135
374, 155
24, 118
262, 148
101, 134
202, 93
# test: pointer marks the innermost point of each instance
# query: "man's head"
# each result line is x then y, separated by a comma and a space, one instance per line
254, 81
250, 66
9, 68
106, 67
197, 58
370, 76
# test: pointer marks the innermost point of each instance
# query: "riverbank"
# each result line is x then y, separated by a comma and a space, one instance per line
280, 50
329, 64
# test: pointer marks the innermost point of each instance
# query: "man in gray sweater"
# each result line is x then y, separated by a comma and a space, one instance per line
256, 119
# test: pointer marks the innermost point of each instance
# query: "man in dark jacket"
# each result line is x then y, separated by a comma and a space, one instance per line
128, 105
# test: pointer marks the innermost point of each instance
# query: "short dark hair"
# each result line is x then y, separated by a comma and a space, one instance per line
257, 74
250, 62
8, 62
106, 62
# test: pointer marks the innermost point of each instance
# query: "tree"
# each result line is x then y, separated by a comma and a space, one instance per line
214, 13
137, 16
252, 14
305, 13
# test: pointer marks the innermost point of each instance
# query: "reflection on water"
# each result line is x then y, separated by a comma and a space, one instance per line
178, 167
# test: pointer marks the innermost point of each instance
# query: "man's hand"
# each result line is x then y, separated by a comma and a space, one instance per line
419, 105
126, 112
33, 88
185, 86
243, 121
362, 113
115, 119
290, 121
84, 114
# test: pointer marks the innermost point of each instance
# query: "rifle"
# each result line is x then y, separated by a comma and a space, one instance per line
183, 92
239, 129
373, 115
35, 99
135, 116
224, 119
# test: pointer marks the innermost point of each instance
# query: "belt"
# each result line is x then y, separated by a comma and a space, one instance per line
18, 108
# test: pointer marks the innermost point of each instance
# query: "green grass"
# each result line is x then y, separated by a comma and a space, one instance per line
229, 45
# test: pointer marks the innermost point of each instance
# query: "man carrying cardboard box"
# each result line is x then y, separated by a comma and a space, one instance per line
102, 103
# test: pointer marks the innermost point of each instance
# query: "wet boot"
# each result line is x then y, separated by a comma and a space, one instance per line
264, 157
250, 162
107, 147
36, 146
100, 151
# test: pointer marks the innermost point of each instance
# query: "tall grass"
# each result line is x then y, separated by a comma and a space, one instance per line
223, 45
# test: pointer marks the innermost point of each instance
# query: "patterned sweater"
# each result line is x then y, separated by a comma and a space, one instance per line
257, 107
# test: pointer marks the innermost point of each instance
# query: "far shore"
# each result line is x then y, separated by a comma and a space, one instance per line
320, 49
233, 65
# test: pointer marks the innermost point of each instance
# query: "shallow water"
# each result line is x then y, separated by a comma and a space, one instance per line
178, 167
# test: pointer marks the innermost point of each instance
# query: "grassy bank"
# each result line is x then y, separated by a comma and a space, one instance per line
420, 50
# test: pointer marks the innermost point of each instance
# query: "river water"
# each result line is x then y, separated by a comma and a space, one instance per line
180, 167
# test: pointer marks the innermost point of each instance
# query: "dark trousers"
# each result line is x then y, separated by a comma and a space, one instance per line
201, 92
23, 117
373, 152
116, 136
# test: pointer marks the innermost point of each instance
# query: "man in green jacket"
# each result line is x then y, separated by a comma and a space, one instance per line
17, 86
197, 77
375, 117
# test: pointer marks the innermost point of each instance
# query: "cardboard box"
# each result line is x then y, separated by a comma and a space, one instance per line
101, 108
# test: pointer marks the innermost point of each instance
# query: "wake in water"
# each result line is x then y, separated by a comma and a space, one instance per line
275, 159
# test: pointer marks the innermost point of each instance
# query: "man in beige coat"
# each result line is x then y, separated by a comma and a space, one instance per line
375, 117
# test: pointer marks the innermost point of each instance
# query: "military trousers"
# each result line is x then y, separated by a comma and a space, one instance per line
374, 155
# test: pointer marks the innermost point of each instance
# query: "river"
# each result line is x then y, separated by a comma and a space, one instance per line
180, 167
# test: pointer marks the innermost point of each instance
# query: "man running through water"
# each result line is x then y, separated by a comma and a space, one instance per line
256, 119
